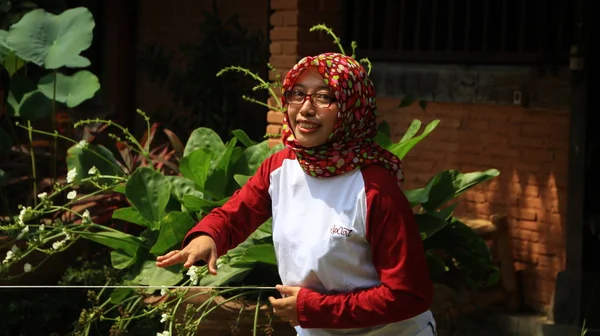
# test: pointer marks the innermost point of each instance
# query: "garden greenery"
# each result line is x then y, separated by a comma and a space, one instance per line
168, 189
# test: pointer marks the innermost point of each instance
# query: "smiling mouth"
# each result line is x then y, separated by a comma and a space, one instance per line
308, 125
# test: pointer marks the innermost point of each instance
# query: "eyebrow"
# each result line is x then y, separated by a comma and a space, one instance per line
323, 87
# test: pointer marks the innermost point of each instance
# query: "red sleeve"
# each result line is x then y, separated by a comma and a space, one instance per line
243, 213
406, 289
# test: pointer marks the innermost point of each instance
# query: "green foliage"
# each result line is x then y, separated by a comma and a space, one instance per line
162, 208
213, 101
53, 41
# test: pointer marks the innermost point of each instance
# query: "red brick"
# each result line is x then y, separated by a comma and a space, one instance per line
275, 48
284, 4
273, 129
290, 18
524, 224
289, 48
283, 61
276, 18
535, 248
284, 33
274, 117
503, 152
526, 235
528, 142
478, 125
537, 155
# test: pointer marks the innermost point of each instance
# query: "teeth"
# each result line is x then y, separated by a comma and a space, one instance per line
307, 125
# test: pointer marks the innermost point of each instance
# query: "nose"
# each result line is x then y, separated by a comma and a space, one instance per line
307, 108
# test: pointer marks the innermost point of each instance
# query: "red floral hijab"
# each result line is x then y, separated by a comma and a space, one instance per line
351, 144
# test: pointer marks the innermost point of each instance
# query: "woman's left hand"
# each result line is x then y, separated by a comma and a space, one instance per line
285, 307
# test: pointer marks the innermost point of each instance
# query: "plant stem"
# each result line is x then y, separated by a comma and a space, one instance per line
33, 170
256, 313
56, 135
55, 142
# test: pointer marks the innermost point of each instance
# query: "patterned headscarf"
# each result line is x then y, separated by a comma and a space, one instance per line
351, 144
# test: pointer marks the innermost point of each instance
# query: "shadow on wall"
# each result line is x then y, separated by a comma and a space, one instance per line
529, 147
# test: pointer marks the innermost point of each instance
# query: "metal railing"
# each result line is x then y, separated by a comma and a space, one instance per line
461, 31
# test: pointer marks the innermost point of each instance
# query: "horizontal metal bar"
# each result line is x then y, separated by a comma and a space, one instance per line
463, 56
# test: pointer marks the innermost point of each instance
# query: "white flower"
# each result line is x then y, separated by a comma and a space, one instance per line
72, 194
23, 214
23, 232
71, 175
164, 318
163, 290
193, 274
27, 267
42, 195
9, 256
81, 144
86, 216
58, 244
93, 170
41, 228
164, 333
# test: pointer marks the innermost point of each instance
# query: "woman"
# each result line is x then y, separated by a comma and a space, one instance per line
348, 249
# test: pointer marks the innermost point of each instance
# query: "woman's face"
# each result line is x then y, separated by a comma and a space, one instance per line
312, 118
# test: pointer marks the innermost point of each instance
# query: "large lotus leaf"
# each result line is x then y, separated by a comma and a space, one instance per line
9, 61
70, 90
53, 41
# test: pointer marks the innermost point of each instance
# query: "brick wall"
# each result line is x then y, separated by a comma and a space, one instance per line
528, 146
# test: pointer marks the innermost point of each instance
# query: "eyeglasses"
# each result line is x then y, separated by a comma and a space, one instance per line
320, 100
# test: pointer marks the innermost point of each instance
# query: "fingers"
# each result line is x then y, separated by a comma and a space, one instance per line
212, 262
190, 260
287, 290
281, 309
171, 258
166, 256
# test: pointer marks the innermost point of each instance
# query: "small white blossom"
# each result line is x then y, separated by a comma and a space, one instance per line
23, 232
23, 214
41, 228
93, 170
163, 290
72, 194
8, 257
81, 144
71, 175
164, 318
27, 267
86, 216
164, 333
42, 195
193, 274
58, 244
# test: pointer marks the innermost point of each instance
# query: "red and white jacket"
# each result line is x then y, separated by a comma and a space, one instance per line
350, 241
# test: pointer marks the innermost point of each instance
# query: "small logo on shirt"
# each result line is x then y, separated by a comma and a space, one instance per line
340, 231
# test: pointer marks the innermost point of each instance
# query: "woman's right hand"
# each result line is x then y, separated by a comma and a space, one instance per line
202, 247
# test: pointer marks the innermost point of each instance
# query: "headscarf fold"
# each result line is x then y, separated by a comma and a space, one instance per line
351, 144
